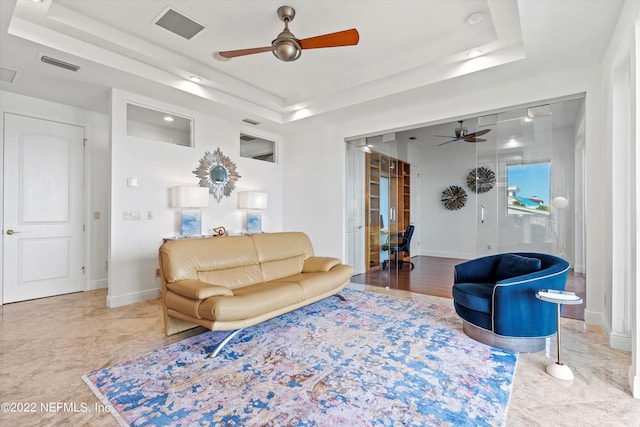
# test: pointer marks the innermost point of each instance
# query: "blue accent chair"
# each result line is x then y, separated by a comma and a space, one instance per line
495, 297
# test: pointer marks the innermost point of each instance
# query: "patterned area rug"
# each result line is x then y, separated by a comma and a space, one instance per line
373, 360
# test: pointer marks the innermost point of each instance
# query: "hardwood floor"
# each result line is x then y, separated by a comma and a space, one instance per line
434, 276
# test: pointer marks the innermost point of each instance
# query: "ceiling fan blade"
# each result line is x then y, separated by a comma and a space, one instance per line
457, 139
474, 140
479, 133
341, 38
242, 52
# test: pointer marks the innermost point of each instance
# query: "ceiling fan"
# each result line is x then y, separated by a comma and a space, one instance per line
461, 133
287, 47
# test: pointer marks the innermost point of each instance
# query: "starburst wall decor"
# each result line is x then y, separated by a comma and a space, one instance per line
481, 179
454, 197
217, 172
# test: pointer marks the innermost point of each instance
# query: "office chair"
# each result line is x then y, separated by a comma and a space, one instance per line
401, 243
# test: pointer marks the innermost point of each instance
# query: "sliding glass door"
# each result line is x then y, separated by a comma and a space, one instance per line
505, 182
377, 209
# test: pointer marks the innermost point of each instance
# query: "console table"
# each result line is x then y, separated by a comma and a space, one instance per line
558, 369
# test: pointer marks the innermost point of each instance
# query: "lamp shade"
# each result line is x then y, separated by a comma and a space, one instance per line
252, 200
189, 196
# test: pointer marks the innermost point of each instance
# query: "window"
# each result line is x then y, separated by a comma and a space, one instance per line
528, 188
156, 125
254, 147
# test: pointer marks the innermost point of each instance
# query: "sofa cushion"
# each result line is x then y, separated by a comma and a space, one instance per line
474, 296
251, 301
511, 265
230, 261
281, 254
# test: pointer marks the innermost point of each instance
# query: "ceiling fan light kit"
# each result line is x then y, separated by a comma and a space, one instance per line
286, 47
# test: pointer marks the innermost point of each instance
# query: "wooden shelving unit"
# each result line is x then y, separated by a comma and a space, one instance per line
399, 174
372, 209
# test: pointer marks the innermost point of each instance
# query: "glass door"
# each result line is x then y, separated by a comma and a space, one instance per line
375, 208
526, 161
533, 153
506, 182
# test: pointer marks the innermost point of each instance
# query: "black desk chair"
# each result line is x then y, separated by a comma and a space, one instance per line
401, 243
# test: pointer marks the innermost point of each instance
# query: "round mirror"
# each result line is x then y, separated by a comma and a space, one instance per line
218, 174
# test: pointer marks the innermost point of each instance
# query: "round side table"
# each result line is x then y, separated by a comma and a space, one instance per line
558, 369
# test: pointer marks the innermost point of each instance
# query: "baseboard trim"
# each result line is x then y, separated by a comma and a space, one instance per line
454, 255
97, 284
619, 341
634, 382
595, 318
132, 298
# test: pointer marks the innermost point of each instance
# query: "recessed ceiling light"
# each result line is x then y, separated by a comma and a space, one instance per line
168, 118
474, 53
528, 119
475, 18
195, 79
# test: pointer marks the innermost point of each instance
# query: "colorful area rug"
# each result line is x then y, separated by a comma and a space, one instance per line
372, 360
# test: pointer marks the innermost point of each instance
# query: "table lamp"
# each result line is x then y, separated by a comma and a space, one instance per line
253, 201
189, 197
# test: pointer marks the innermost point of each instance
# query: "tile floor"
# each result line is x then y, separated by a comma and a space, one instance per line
46, 346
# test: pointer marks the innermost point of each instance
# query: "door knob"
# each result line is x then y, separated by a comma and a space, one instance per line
10, 232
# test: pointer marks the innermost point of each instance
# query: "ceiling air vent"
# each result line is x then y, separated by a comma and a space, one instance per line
251, 122
8, 75
178, 23
59, 63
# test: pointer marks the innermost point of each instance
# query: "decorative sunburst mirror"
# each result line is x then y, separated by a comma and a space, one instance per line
217, 172
454, 197
481, 179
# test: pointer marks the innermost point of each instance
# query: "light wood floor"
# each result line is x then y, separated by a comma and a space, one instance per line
434, 276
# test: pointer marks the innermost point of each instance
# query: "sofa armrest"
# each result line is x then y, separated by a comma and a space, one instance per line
196, 289
316, 264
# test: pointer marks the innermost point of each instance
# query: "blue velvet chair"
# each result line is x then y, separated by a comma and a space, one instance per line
495, 297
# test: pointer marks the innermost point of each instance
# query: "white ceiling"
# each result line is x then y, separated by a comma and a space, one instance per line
404, 45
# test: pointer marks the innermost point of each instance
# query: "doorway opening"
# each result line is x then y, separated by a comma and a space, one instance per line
507, 181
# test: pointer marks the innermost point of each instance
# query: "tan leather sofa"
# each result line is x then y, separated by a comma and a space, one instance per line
231, 282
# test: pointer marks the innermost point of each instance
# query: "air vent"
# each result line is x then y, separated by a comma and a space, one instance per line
251, 122
8, 75
59, 63
246, 138
179, 24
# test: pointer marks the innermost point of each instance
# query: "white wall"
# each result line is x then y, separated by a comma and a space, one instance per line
96, 173
619, 315
314, 189
446, 233
158, 166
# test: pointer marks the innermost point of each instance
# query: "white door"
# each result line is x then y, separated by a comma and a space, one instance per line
43, 208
